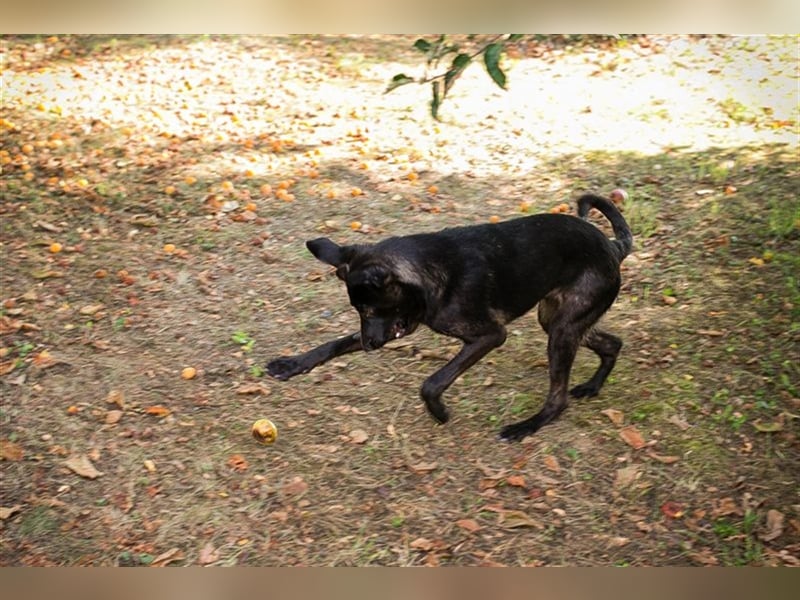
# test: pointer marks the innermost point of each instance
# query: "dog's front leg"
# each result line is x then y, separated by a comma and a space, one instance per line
470, 353
285, 367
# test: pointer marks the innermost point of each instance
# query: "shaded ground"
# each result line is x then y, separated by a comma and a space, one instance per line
179, 178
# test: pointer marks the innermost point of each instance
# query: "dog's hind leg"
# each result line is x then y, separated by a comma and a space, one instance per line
566, 316
607, 347
562, 345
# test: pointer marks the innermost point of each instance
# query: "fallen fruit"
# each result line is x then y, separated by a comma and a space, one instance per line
618, 196
264, 431
189, 373
55, 247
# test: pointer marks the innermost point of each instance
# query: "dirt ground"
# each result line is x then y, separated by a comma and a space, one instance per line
156, 196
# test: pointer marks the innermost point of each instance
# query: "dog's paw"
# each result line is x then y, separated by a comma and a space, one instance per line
438, 411
514, 433
518, 431
584, 390
284, 368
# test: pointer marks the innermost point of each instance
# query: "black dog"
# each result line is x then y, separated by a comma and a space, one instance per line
468, 282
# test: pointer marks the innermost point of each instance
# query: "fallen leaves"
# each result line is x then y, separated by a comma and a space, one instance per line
165, 558
6, 512
117, 398
295, 488
358, 436
631, 436
11, 451
617, 417
469, 525
551, 462
516, 481
113, 417
208, 554
771, 427
253, 388
82, 465
157, 411
515, 519
775, 521
238, 463
673, 510
626, 476
663, 459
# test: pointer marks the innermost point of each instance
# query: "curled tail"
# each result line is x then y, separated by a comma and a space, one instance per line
624, 241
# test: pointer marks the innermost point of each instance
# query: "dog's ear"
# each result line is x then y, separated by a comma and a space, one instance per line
331, 253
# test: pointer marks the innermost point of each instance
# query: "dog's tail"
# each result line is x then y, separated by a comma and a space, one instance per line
624, 241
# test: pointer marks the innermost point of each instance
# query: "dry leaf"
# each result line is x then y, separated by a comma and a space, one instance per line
617, 417
81, 465
773, 427
208, 554
631, 436
516, 481
726, 506
237, 462
162, 560
513, 519
296, 487
422, 543
253, 388
358, 436
9, 325
705, 558
6, 512
470, 525
157, 411
44, 360
667, 460
489, 472
710, 332
679, 422
673, 510
625, 476
7, 366
91, 309
10, 451
551, 462
113, 417
424, 467
116, 397
618, 542
775, 521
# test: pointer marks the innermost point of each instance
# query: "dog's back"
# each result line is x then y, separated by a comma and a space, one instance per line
507, 266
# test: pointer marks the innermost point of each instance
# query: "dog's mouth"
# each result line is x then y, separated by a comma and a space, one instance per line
401, 328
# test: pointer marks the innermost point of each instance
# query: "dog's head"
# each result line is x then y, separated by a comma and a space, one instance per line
390, 306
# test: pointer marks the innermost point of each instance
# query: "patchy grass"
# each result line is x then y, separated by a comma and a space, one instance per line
181, 176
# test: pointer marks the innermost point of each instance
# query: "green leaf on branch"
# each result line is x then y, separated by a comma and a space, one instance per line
491, 58
422, 45
460, 63
397, 81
